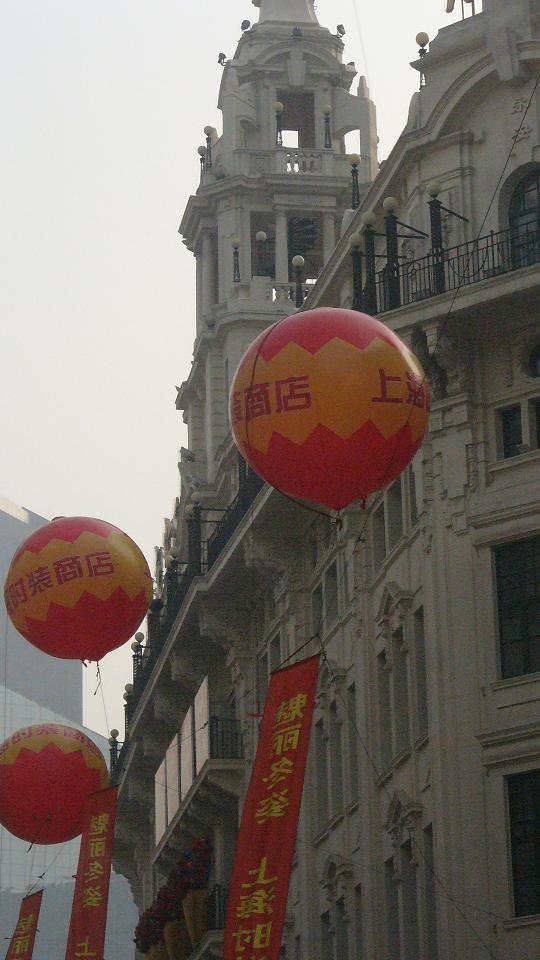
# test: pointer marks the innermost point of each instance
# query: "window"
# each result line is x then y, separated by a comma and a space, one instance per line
378, 536
268, 660
395, 513
317, 609
358, 923
400, 693
409, 901
327, 939
324, 601
518, 428
335, 762
342, 931
330, 595
421, 719
160, 801
524, 220
534, 362
394, 517
517, 567
352, 753
524, 816
510, 431
392, 911
321, 765
430, 902
385, 728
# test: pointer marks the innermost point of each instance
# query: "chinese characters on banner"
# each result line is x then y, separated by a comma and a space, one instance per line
265, 847
89, 912
22, 941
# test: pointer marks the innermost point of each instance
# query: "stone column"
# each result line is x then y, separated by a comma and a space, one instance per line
282, 251
207, 269
329, 236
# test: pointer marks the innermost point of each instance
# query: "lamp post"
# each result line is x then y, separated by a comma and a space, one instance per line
137, 649
261, 238
202, 158
194, 535
208, 156
328, 127
356, 258
298, 264
113, 748
354, 160
370, 289
235, 243
390, 205
435, 217
422, 40
278, 107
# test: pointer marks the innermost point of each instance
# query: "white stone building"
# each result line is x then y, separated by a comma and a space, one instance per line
419, 833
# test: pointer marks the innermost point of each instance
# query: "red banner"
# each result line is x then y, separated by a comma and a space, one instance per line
89, 912
22, 941
265, 846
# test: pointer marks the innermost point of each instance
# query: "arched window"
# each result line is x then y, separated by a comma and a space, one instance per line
524, 221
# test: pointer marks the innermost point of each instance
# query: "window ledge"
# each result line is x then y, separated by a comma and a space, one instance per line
401, 757
385, 776
519, 681
518, 922
500, 465
322, 835
337, 818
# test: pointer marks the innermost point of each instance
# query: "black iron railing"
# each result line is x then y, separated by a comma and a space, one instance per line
225, 739
217, 907
471, 262
232, 516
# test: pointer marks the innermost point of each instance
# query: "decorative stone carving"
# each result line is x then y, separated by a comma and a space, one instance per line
394, 607
401, 825
454, 355
338, 873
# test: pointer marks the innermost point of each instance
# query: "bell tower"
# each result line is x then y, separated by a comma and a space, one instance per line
274, 186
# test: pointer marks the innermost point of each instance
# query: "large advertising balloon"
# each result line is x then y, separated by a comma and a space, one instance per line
47, 771
77, 588
329, 405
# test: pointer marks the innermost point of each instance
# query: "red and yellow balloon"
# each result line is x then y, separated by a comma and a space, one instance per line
78, 588
329, 405
47, 771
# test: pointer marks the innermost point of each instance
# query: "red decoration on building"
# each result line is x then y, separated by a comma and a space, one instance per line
90, 901
22, 941
77, 588
329, 405
265, 846
47, 772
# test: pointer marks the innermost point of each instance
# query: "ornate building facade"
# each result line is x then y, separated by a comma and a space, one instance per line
419, 834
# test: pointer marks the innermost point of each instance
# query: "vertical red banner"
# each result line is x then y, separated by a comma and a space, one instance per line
89, 912
22, 941
265, 846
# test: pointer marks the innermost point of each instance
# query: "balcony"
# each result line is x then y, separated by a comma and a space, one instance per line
210, 947
442, 271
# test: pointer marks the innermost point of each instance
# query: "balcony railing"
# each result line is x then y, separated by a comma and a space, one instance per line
471, 262
217, 907
225, 739
232, 515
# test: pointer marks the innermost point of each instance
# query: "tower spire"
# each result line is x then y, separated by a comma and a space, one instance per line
286, 11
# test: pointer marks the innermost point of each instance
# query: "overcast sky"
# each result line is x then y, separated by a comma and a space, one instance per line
103, 106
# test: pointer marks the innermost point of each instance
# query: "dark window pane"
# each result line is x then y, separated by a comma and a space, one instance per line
524, 814
518, 586
511, 434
